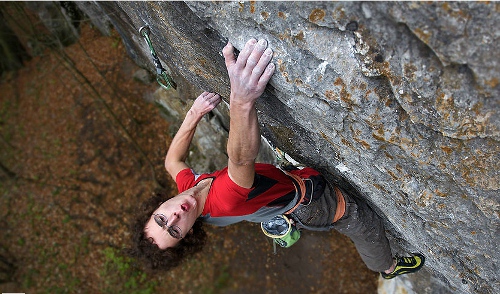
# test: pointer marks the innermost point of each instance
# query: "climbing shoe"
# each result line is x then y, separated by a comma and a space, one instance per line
406, 265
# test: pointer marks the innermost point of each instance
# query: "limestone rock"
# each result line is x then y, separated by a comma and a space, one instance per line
58, 18
398, 100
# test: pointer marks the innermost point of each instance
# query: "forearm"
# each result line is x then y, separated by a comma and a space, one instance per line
179, 147
244, 134
178, 151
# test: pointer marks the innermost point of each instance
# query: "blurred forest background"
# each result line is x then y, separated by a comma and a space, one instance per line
82, 145
80, 148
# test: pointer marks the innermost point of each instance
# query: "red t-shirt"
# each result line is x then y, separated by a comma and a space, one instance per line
272, 188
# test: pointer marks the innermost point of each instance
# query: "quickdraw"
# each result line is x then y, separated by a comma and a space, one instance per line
162, 77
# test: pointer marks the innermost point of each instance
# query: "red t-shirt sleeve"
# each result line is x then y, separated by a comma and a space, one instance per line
185, 180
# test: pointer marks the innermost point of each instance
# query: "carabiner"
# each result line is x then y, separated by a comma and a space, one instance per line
162, 77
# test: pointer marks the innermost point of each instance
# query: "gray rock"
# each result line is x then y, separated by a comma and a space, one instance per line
58, 19
96, 15
143, 76
398, 100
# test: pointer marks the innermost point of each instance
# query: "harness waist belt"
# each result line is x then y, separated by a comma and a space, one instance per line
300, 187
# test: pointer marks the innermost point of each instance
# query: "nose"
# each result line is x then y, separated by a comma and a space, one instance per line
174, 217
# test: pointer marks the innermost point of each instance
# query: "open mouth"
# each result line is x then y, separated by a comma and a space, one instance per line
185, 207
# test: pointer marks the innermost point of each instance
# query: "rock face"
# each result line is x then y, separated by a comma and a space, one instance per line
58, 19
398, 100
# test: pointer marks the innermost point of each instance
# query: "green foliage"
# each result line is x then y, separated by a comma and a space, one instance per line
222, 279
116, 43
121, 276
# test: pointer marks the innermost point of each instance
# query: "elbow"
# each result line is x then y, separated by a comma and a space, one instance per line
241, 161
168, 165
242, 156
170, 160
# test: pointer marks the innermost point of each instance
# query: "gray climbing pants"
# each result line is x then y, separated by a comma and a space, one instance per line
365, 228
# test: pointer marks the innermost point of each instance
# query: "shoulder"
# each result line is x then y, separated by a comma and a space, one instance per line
185, 179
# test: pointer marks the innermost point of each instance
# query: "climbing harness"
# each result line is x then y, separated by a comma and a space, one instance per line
162, 77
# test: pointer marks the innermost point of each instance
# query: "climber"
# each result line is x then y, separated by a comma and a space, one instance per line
169, 230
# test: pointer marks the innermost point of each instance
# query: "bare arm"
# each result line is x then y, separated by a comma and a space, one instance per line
175, 161
249, 75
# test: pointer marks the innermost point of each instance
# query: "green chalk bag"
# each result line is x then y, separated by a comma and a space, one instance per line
282, 230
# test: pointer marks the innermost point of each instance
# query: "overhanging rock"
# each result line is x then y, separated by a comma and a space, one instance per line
398, 100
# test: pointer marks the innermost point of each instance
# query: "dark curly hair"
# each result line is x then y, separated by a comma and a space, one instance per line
148, 253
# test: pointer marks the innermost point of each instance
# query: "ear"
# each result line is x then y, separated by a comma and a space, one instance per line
191, 231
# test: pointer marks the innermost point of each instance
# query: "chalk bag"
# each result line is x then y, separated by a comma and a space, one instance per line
282, 230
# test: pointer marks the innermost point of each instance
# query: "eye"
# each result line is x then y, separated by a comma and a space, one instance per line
175, 232
160, 219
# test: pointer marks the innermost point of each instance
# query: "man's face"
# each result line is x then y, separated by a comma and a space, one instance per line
180, 211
